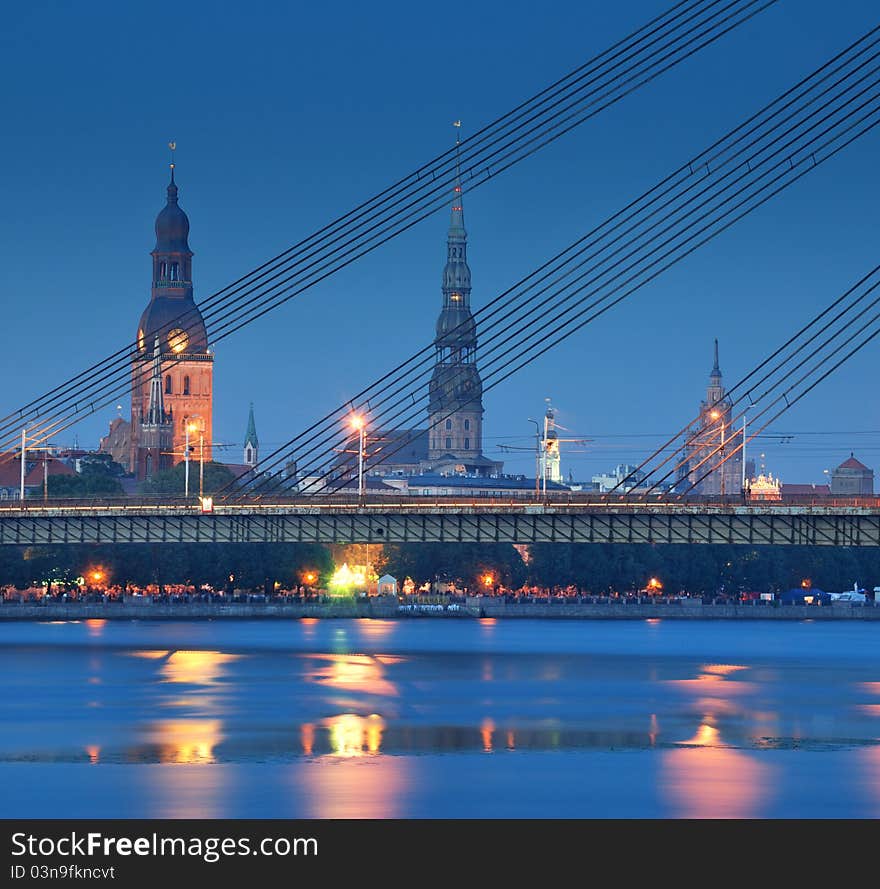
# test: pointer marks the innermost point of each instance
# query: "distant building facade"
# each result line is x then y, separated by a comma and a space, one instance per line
709, 441
186, 364
852, 479
38, 467
608, 481
117, 442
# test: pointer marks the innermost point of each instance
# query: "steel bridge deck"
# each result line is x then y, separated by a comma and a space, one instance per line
420, 520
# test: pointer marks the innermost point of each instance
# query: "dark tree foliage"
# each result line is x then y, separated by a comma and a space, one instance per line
252, 565
173, 481
464, 563
703, 569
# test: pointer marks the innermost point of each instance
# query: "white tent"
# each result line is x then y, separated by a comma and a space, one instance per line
387, 585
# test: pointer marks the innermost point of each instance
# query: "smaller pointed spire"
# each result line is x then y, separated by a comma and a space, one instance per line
251, 434
251, 443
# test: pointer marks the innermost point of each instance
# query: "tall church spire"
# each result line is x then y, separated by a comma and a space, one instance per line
455, 395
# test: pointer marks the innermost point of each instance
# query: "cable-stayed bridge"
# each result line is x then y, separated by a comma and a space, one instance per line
776, 147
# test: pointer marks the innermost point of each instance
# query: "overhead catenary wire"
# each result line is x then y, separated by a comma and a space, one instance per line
92, 388
804, 165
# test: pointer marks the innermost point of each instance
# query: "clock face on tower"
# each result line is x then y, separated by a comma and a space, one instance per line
178, 340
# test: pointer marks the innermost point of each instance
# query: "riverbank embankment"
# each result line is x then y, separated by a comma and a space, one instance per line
474, 607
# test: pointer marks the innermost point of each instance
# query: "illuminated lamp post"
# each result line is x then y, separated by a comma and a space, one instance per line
192, 427
360, 424
488, 580
717, 415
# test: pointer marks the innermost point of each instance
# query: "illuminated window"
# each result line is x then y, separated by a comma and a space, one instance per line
467, 425
186, 385
168, 384
448, 426
448, 443
467, 444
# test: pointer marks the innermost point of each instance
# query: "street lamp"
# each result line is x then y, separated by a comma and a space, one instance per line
192, 427
717, 415
360, 424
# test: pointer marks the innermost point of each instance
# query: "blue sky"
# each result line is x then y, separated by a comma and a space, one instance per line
286, 115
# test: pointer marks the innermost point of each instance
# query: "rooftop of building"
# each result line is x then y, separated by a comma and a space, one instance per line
852, 463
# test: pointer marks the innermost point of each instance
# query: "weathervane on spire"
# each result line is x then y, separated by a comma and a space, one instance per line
457, 125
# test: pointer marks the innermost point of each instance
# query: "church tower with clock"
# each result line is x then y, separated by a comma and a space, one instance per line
172, 320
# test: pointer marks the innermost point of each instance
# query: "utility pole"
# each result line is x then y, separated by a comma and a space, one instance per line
22, 463
201, 465
537, 455
544, 458
186, 458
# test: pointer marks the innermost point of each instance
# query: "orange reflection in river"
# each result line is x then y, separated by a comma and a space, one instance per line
96, 626
307, 737
705, 779
486, 730
352, 735
186, 740
352, 672
869, 772
196, 667
355, 787
373, 628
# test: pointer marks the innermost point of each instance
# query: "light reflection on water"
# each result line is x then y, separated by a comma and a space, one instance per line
360, 708
354, 787
709, 781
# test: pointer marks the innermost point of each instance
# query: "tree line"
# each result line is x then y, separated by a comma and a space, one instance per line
594, 568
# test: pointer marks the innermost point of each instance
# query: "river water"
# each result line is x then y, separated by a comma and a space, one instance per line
440, 718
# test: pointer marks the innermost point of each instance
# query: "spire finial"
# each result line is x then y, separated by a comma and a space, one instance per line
173, 147
716, 370
457, 221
